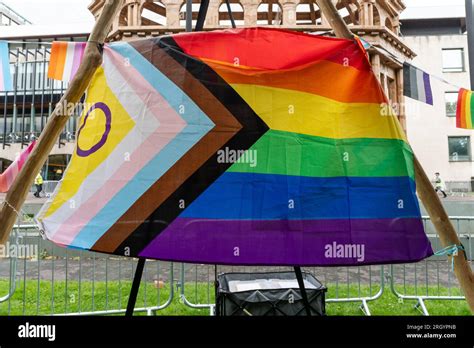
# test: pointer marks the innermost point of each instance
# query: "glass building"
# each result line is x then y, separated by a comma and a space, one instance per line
24, 109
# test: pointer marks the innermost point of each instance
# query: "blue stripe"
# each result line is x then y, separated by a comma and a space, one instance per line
198, 126
279, 197
183, 105
5, 66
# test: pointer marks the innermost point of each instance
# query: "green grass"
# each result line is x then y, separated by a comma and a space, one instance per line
114, 295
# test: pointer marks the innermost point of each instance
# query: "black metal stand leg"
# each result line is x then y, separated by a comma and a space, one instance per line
135, 287
304, 295
202, 15
231, 16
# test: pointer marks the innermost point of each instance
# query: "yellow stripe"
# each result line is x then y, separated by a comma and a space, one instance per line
81, 167
305, 113
468, 113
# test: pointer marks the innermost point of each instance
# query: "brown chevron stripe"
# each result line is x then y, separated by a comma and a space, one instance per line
226, 127
253, 128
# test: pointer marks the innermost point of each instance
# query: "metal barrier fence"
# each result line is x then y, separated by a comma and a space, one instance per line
57, 281
345, 283
433, 278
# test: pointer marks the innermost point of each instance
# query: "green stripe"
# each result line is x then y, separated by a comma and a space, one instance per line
472, 111
285, 153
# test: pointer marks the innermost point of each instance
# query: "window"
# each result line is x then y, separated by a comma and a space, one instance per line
451, 100
459, 149
453, 60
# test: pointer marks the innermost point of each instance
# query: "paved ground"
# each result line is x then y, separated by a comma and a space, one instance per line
29, 200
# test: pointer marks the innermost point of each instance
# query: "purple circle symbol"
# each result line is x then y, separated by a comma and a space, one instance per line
108, 126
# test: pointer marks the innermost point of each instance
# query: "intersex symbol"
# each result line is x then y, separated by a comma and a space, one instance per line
108, 126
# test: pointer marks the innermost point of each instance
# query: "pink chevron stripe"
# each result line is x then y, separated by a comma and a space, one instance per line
7, 178
165, 114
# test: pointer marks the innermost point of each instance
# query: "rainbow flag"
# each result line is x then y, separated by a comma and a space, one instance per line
65, 60
7, 178
465, 110
5, 75
204, 150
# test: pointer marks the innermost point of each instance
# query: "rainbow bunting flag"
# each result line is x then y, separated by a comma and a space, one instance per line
7, 178
65, 60
5, 75
465, 110
204, 150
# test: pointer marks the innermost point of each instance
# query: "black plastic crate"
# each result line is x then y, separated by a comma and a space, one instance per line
267, 294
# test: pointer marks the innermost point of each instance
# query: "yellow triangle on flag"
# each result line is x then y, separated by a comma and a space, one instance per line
104, 124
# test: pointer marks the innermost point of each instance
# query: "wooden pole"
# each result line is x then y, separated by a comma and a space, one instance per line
446, 231
332, 16
92, 60
425, 190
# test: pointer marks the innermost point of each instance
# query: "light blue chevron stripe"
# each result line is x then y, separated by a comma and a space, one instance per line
198, 125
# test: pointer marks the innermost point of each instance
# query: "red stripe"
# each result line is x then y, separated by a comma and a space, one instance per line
271, 49
459, 107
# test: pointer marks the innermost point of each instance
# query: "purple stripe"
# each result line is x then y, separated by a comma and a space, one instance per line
78, 54
428, 91
294, 242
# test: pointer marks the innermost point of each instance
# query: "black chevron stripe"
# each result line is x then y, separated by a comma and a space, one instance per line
253, 129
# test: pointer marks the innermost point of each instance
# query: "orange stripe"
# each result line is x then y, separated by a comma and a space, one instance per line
53, 60
62, 60
58, 60
232, 65
323, 78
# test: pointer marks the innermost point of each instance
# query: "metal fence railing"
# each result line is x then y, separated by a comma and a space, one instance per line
41, 278
432, 279
44, 279
346, 284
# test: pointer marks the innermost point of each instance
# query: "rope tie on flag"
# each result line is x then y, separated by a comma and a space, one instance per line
452, 251
22, 215
22, 218
12, 208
